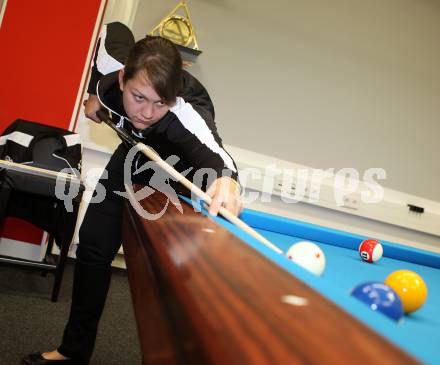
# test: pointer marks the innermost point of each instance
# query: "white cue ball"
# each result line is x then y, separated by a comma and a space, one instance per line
308, 255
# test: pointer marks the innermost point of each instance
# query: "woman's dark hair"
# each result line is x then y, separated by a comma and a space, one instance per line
161, 61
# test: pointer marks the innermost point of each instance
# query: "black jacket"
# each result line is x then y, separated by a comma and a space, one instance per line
187, 131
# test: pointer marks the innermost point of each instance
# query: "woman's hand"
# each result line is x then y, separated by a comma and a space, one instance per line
92, 106
225, 192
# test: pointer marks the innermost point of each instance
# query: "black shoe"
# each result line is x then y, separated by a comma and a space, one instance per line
38, 359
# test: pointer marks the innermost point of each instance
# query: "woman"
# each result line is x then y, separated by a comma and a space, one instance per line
160, 104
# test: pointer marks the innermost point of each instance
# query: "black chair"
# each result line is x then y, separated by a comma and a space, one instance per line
40, 183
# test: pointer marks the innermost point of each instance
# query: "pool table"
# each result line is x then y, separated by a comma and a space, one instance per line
205, 292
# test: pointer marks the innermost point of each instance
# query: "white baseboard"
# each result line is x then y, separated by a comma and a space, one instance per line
117, 262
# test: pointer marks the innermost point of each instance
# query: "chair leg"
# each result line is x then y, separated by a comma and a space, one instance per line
5, 193
48, 255
59, 271
51, 240
68, 230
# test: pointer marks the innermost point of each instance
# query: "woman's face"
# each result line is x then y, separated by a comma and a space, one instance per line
141, 102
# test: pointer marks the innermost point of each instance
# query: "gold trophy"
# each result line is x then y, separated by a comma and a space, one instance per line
177, 27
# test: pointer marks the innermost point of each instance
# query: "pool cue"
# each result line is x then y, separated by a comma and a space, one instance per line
38, 171
153, 156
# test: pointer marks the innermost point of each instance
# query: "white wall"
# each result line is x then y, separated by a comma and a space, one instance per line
121, 10
343, 83
322, 86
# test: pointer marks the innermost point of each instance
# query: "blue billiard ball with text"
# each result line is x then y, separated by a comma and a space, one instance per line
381, 298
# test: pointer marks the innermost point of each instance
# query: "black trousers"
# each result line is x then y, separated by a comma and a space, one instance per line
100, 239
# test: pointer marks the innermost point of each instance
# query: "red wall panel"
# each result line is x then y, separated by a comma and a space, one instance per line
43, 51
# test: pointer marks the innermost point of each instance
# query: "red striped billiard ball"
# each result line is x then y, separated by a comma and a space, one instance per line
370, 250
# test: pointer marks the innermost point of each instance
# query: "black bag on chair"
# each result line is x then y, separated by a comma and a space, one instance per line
40, 145
29, 193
